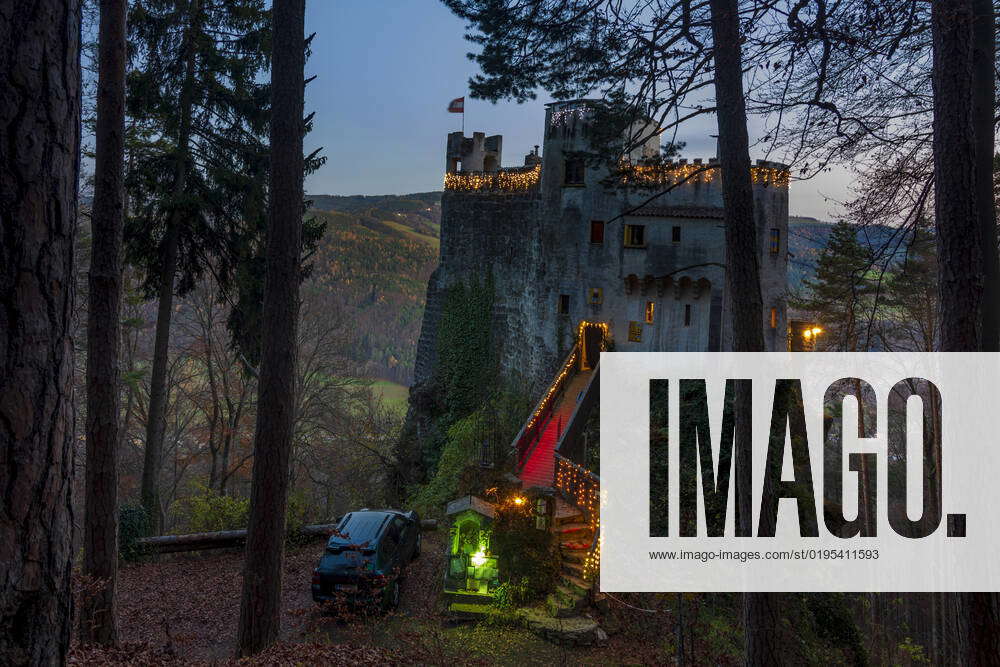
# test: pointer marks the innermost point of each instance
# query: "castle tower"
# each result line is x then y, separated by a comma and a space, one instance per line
475, 153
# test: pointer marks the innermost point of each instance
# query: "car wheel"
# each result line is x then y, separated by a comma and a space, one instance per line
416, 547
392, 595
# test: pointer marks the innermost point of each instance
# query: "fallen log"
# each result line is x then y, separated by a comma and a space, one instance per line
224, 539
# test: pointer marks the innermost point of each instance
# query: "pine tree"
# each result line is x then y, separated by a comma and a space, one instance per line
260, 609
198, 175
838, 296
39, 173
100, 542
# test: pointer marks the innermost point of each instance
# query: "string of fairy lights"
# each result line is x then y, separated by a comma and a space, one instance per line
567, 367
521, 179
554, 388
669, 173
580, 485
583, 488
564, 116
505, 180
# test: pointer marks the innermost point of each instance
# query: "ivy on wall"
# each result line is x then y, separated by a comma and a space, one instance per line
466, 372
467, 368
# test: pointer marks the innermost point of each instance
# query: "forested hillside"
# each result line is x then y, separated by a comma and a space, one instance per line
375, 258
808, 236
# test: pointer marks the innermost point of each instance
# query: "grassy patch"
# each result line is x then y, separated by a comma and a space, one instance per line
393, 394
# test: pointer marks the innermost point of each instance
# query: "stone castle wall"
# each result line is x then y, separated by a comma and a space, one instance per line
490, 234
531, 231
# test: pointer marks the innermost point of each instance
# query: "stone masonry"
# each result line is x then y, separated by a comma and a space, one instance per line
564, 247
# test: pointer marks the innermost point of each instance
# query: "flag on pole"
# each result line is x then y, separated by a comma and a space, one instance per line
457, 105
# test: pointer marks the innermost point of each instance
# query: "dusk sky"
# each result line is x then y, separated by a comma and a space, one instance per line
386, 70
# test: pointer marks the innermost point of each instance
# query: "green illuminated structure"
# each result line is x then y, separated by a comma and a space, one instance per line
472, 566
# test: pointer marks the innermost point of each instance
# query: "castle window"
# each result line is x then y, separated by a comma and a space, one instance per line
774, 318
635, 332
687, 314
775, 241
597, 231
635, 236
596, 296
564, 304
575, 169
650, 311
675, 235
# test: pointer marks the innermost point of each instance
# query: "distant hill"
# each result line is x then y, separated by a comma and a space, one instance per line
420, 212
808, 236
376, 257
806, 239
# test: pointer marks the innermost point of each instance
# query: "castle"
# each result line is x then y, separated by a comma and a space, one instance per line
565, 248
580, 258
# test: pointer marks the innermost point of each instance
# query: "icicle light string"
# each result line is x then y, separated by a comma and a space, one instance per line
509, 180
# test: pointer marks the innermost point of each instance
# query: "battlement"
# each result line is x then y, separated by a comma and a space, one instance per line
676, 172
475, 153
511, 179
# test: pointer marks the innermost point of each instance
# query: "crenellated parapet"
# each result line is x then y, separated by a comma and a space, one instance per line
510, 179
670, 172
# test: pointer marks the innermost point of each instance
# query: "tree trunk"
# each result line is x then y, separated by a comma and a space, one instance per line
984, 608
156, 417
39, 167
100, 542
742, 251
260, 618
156, 420
966, 226
983, 97
960, 262
760, 610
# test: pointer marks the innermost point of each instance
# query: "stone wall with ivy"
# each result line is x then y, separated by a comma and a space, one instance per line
490, 237
479, 335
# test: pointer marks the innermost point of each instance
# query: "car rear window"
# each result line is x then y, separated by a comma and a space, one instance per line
359, 529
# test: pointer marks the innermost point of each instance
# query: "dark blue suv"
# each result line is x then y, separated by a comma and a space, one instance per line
365, 557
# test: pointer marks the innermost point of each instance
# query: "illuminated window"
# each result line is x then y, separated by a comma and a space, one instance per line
635, 332
774, 318
775, 241
650, 311
597, 231
635, 236
596, 296
675, 235
564, 304
575, 170
687, 314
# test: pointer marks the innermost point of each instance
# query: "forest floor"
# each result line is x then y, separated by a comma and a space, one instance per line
186, 609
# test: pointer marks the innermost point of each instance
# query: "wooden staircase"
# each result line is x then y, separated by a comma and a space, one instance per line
539, 469
574, 536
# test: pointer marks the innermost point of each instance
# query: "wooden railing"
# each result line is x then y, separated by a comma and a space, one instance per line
530, 433
582, 488
573, 480
570, 442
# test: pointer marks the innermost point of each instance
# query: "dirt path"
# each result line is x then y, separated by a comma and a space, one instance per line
191, 605
187, 609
